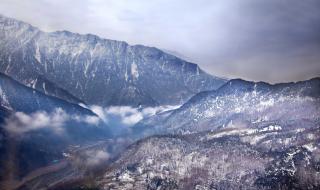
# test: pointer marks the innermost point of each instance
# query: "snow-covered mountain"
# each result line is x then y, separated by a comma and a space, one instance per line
226, 135
95, 70
241, 102
234, 158
244, 135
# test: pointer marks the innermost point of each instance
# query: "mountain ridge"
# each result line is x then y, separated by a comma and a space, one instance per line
99, 71
242, 101
41, 127
7, 80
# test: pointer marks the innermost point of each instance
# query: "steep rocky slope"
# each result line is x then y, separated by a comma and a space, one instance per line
95, 70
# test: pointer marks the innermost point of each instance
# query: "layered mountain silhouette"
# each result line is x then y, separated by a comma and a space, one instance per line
232, 134
244, 135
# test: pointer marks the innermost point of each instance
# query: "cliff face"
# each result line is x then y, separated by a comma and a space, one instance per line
95, 70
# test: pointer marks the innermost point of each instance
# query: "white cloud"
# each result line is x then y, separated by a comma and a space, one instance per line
20, 122
96, 157
125, 115
99, 111
92, 120
132, 119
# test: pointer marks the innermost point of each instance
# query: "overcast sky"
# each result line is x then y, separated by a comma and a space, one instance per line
268, 40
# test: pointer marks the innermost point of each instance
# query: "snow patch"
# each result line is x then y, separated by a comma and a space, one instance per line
310, 147
241, 132
44, 88
134, 70
271, 128
269, 102
37, 54
126, 177
255, 139
4, 99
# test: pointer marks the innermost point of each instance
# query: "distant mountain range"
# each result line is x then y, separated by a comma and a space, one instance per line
232, 134
240, 102
244, 135
97, 71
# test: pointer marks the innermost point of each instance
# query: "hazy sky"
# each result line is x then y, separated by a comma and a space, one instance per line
270, 40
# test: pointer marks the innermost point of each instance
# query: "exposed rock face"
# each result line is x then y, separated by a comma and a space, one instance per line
95, 70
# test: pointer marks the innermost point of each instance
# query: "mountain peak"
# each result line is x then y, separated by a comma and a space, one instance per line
99, 70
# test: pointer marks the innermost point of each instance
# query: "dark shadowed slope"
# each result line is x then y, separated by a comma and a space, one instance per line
36, 129
17, 97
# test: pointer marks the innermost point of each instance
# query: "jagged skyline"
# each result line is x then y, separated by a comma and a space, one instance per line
273, 41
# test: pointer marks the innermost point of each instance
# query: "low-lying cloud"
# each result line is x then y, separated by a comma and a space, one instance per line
125, 115
120, 119
20, 122
96, 157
